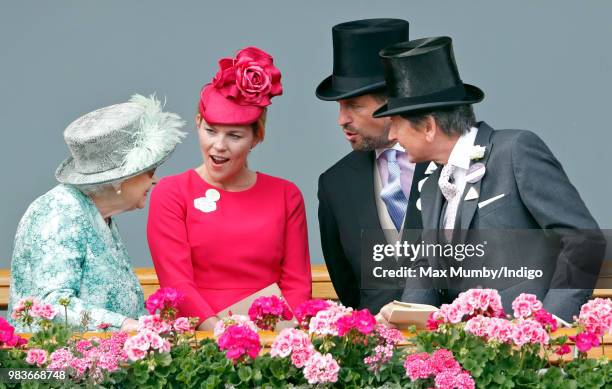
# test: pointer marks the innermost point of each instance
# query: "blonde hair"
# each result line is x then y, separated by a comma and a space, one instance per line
259, 127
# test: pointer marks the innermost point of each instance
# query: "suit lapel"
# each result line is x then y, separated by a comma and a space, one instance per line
431, 201
362, 186
413, 217
468, 208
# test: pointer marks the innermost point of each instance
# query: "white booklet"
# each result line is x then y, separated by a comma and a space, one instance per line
407, 314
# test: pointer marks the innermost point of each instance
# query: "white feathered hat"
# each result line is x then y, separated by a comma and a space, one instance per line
119, 141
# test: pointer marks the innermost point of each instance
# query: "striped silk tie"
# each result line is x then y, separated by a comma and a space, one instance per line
392, 193
449, 191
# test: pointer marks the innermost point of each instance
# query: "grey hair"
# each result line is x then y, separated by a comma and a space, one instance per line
380, 96
97, 189
454, 120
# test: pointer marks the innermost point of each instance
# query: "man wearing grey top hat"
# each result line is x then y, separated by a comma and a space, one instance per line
504, 184
68, 250
371, 190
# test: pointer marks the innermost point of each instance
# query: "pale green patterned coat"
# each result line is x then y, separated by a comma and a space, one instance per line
64, 248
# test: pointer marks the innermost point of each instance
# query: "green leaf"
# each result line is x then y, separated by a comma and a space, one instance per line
277, 369
163, 359
245, 373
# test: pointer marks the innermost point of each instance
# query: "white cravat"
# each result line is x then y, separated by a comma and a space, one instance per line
450, 192
460, 160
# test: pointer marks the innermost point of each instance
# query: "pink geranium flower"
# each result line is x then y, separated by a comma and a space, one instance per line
486, 302
153, 323
36, 357
60, 359
450, 379
308, 309
433, 321
43, 311
471, 303
146, 340
525, 305
165, 300
442, 366
491, 328
289, 340
91, 358
7, 335
546, 319
387, 338
362, 321
182, 325
24, 304
390, 336
596, 316
266, 311
321, 369
500, 329
443, 360
563, 349
294, 343
324, 322
477, 326
239, 342
529, 331
382, 354
585, 341
418, 366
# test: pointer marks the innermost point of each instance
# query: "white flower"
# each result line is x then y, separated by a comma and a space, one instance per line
477, 152
204, 204
213, 195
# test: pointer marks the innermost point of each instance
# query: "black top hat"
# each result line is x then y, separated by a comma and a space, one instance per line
357, 66
422, 75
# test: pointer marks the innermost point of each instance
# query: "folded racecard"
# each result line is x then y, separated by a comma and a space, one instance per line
407, 314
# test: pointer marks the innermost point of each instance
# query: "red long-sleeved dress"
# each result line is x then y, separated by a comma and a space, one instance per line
219, 252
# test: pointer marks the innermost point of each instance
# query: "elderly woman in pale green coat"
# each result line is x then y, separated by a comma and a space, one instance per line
67, 244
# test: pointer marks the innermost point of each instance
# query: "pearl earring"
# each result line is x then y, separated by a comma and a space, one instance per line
119, 192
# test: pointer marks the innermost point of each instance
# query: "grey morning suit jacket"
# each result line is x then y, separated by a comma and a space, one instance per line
537, 195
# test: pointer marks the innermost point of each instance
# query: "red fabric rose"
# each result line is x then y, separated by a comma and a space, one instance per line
249, 79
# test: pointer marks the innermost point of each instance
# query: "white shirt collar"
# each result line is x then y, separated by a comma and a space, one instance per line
460, 155
396, 146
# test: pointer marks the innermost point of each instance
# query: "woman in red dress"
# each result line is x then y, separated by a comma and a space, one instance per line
221, 232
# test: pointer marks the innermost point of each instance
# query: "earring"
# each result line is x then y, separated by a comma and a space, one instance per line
119, 192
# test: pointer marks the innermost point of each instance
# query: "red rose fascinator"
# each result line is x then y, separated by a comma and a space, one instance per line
241, 89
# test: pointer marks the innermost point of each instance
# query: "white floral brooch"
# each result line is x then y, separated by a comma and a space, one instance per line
477, 152
208, 203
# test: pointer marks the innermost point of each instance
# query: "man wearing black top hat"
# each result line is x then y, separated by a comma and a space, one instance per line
487, 180
373, 187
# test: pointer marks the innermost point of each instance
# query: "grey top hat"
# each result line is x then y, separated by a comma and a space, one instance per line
422, 75
119, 141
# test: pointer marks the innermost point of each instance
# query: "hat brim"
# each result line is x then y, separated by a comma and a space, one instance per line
66, 173
325, 91
473, 95
218, 109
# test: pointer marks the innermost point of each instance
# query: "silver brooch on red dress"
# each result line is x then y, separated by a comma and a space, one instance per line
208, 203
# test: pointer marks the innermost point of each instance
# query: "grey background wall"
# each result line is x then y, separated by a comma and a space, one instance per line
545, 66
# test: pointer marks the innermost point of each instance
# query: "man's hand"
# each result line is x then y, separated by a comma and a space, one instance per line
384, 315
